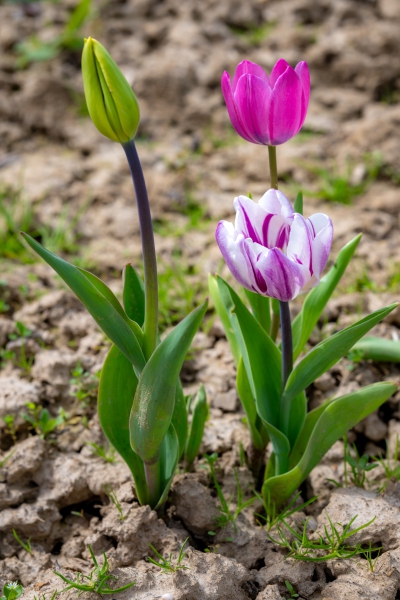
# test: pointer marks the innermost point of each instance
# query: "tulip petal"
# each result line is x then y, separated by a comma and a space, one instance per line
233, 112
278, 70
321, 245
252, 98
300, 242
304, 75
245, 67
284, 277
286, 107
235, 256
275, 202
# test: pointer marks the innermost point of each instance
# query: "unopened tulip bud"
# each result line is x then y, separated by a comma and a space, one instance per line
112, 105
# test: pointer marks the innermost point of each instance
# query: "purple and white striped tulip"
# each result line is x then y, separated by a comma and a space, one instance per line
264, 109
271, 249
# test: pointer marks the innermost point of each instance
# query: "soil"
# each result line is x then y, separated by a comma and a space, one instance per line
57, 169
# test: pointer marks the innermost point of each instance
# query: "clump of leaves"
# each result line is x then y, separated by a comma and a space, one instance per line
85, 386
12, 591
329, 546
272, 516
107, 453
11, 429
166, 563
96, 581
41, 421
290, 589
19, 359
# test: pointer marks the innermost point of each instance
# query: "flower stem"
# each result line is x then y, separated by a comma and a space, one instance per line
273, 167
150, 327
287, 343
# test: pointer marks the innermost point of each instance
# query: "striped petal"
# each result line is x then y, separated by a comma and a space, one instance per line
276, 203
300, 242
284, 277
235, 255
321, 245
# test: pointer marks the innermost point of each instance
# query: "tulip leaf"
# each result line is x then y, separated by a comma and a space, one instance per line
328, 352
247, 399
297, 417
260, 307
153, 405
133, 295
377, 349
338, 417
318, 297
261, 357
180, 417
298, 203
116, 392
99, 301
169, 456
199, 418
223, 315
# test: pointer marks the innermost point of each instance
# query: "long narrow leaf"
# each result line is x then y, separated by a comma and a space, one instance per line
337, 418
327, 353
154, 400
105, 313
318, 297
223, 315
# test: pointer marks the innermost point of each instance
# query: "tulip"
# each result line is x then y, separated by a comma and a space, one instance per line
267, 110
273, 251
111, 102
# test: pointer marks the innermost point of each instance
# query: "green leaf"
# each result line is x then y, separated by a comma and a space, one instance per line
117, 388
260, 307
337, 417
323, 356
297, 417
90, 291
222, 312
154, 400
249, 405
261, 357
180, 417
298, 203
199, 418
169, 456
318, 297
378, 349
133, 295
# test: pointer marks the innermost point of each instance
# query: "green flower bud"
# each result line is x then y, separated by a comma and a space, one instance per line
110, 99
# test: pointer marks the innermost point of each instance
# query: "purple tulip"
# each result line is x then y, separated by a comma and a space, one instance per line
271, 249
267, 110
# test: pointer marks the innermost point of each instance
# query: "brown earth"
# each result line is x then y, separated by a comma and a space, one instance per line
55, 163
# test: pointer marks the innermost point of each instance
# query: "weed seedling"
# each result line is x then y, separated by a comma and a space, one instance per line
12, 591
26, 545
272, 517
9, 420
290, 590
20, 359
114, 499
96, 581
108, 454
331, 545
5, 459
369, 555
43, 596
84, 385
166, 563
227, 516
40, 419
391, 464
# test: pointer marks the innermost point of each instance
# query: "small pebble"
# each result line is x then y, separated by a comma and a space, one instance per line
167, 597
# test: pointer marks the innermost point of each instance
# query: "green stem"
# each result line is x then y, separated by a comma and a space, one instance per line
273, 167
150, 326
287, 342
152, 471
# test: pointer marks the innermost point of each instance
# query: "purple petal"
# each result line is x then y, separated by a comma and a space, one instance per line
249, 218
300, 243
252, 98
321, 247
284, 277
304, 76
277, 71
235, 255
286, 107
245, 67
275, 202
232, 108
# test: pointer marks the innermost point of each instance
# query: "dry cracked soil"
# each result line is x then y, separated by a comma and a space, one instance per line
69, 187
